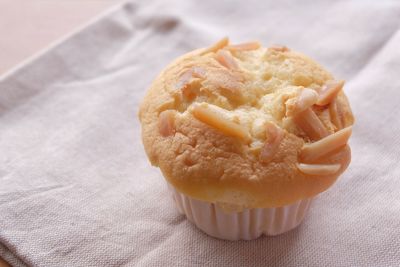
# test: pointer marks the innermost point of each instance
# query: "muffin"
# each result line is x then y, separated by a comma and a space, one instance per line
246, 136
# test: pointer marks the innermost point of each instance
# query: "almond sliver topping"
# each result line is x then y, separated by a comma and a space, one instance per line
314, 151
166, 123
318, 169
184, 79
244, 46
187, 77
335, 114
225, 59
216, 117
329, 92
306, 99
274, 136
217, 46
309, 122
198, 72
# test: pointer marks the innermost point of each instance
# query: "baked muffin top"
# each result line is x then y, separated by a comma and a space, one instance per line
245, 126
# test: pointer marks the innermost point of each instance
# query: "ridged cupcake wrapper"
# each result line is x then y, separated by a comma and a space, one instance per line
246, 225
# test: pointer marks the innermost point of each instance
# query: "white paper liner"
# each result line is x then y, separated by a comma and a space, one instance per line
248, 224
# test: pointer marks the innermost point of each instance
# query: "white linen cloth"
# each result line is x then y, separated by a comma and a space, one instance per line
76, 188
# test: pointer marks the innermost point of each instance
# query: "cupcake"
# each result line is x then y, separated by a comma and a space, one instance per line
246, 136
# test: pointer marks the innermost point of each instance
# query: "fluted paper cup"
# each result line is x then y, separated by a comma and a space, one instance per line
245, 225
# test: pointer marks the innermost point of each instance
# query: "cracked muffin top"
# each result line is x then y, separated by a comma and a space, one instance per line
247, 127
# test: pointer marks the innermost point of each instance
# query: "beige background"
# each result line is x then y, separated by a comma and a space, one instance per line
29, 26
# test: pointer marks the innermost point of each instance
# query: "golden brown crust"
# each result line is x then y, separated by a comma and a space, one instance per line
213, 163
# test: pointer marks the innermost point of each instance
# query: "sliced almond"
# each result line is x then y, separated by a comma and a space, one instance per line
244, 47
325, 117
225, 59
166, 123
190, 91
199, 72
217, 118
279, 48
184, 79
329, 92
188, 77
314, 151
318, 169
274, 136
340, 156
217, 46
335, 114
309, 122
306, 99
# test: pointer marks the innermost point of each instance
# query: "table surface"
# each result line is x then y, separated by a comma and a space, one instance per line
70, 120
38, 23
